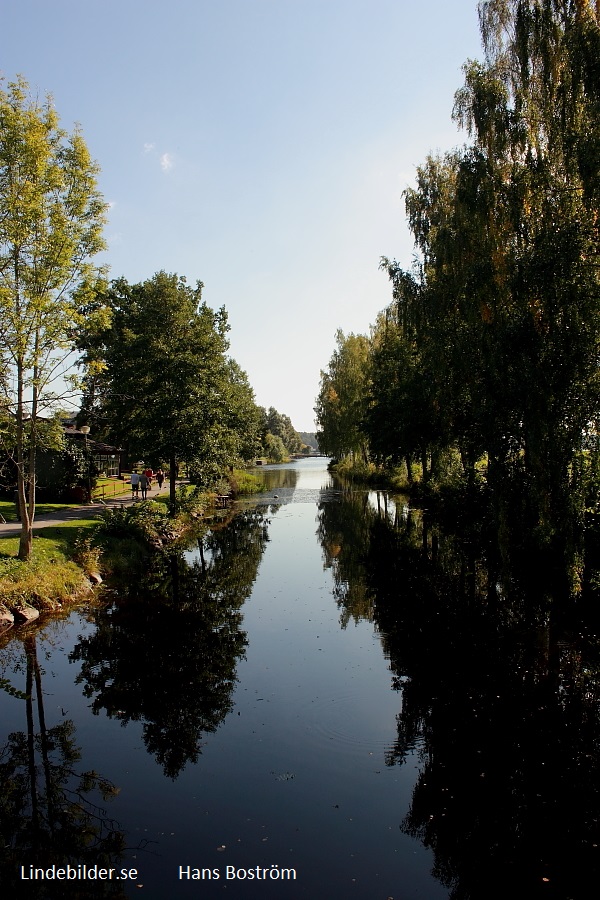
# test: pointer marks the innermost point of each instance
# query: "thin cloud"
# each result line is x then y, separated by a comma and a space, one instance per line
148, 148
166, 162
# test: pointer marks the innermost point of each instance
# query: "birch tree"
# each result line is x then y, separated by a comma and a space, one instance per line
342, 398
51, 218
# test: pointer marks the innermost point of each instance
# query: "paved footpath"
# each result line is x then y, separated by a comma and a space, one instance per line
86, 511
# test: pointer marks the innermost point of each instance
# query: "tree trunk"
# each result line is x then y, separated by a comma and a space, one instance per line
172, 492
43, 732
31, 745
26, 537
465, 459
424, 466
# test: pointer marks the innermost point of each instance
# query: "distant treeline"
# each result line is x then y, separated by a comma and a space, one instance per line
310, 439
279, 438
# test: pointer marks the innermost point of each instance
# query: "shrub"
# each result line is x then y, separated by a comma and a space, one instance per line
147, 521
189, 501
242, 482
85, 554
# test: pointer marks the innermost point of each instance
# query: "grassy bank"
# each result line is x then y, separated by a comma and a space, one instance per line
391, 479
117, 543
56, 574
245, 483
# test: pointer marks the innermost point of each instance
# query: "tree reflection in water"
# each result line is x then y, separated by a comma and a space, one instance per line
279, 478
182, 620
500, 701
344, 531
51, 812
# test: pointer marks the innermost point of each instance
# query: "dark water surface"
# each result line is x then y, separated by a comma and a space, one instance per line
310, 688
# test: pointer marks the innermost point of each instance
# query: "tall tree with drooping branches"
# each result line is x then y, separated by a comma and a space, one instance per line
532, 112
499, 320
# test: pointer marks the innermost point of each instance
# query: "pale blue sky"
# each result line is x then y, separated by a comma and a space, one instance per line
260, 146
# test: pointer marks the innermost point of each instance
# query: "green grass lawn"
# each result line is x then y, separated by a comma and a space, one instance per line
50, 577
110, 487
59, 538
9, 512
106, 489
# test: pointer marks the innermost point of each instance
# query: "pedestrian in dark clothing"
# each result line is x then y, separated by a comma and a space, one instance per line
144, 485
160, 477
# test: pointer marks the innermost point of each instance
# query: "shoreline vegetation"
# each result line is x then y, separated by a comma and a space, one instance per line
70, 560
483, 368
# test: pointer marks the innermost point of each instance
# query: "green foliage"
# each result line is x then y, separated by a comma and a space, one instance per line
277, 425
61, 470
159, 380
342, 401
281, 425
50, 226
244, 483
526, 277
46, 581
355, 469
309, 439
275, 449
86, 553
404, 418
147, 521
489, 350
190, 500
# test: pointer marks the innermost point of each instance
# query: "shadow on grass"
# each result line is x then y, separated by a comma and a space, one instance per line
63, 537
8, 509
66, 534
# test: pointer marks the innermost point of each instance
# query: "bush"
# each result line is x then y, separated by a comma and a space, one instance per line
147, 521
242, 482
354, 468
190, 500
85, 554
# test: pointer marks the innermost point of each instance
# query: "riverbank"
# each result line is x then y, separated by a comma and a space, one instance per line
70, 558
76, 548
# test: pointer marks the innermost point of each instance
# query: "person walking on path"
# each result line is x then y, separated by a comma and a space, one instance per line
160, 477
135, 485
144, 485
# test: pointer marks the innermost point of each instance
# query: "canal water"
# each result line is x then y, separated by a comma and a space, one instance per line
307, 703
